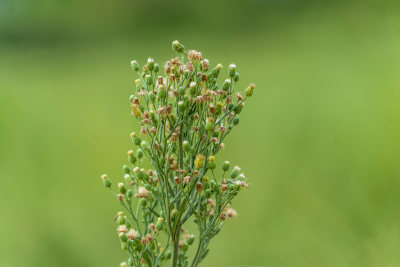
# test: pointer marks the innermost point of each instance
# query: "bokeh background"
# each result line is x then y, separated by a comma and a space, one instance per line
319, 140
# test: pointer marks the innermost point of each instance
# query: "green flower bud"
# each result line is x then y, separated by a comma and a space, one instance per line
236, 77
148, 187
144, 145
136, 139
135, 65
107, 182
232, 70
211, 162
192, 89
150, 63
148, 79
207, 193
173, 214
185, 246
177, 46
139, 153
238, 109
226, 85
156, 67
190, 239
215, 72
122, 188
235, 172
225, 166
143, 202
160, 226
218, 108
121, 220
235, 121
162, 92
249, 90
185, 145
123, 237
210, 123
186, 74
126, 169
230, 106
181, 106
131, 157
152, 96
129, 193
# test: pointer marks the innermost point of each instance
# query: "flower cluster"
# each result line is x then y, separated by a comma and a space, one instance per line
185, 114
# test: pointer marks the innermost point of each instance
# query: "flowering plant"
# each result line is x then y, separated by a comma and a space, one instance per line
185, 115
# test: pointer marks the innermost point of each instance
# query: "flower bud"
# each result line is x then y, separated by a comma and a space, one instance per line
131, 157
204, 65
150, 63
139, 153
185, 145
181, 106
236, 77
226, 85
232, 70
173, 214
211, 162
177, 46
148, 79
121, 220
225, 166
239, 108
215, 72
122, 188
135, 65
199, 186
152, 96
249, 91
156, 67
160, 225
235, 172
192, 88
210, 123
190, 239
185, 246
106, 181
235, 121
126, 169
143, 202
123, 237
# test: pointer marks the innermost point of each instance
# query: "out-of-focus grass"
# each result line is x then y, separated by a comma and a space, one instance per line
319, 140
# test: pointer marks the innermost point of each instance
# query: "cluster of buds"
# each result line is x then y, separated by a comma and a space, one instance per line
185, 114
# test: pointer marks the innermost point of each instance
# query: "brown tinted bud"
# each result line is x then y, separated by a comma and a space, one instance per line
199, 186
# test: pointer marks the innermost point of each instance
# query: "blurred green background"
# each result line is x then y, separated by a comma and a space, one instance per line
319, 140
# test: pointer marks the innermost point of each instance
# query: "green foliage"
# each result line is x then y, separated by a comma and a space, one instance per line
185, 115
